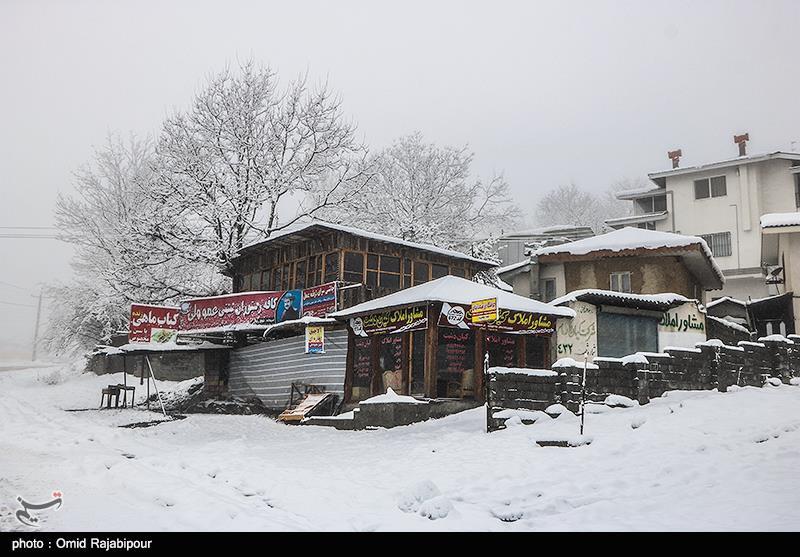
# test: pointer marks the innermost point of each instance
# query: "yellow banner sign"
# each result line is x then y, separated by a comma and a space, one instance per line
484, 311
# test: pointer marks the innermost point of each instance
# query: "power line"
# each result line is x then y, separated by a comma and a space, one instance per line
15, 304
15, 286
27, 227
42, 236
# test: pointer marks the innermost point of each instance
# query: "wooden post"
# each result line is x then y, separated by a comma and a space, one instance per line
349, 368
480, 371
431, 345
521, 339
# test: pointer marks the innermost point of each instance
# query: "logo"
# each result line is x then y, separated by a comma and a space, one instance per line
456, 315
27, 518
185, 307
358, 326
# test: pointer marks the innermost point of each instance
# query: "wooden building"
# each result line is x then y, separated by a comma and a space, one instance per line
373, 265
421, 341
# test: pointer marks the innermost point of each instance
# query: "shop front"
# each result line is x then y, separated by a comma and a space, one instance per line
423, 341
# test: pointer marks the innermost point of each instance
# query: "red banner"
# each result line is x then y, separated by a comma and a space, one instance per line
232, 309
257, 307
319, 300
508, 321
153, 323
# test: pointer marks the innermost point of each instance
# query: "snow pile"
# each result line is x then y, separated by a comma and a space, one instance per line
773, 382
729, 323
391, 397
794, 381
715, 342
775, 338
556, 410
771, 220
619, 401
425, 499
523, 371
569, 362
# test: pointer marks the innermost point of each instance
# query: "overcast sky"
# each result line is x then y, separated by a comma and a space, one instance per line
547, 92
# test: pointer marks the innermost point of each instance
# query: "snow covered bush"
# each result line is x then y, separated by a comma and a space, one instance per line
411, 499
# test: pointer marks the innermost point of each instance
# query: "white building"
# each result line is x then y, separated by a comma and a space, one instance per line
721, 202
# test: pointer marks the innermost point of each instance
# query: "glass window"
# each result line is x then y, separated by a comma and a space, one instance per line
287, 277
265, 276
372, 278
388, 280
277, 283
797, 190
720, 243
300, 274
660, 203
502, 349
372, 262
536, 355
621, 282
548, 289
701, 189
647, 225
420, 272
619, 335
406, 273
718, 187
418, 363
455, 363
331, 267
362, 369
353, 267
390, 264
439, 271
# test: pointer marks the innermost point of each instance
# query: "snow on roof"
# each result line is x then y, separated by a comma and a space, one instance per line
366, 234
169, 347
305, 320
523, 371
630, 238
728, 323
773, 220
625, 239
548, 230
454, 290
513, 266
747, 159
665, 299
637, 192
725, 299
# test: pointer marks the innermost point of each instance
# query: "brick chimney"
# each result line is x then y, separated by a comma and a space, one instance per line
741, 141
675, 156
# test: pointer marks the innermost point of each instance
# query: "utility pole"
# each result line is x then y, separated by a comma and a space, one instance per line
36, 328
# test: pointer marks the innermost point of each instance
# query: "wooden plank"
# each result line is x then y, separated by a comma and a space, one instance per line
431, 346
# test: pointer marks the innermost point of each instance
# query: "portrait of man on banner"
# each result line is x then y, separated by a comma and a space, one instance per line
289, 306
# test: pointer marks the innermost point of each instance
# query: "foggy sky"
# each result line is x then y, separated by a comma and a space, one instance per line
547, 92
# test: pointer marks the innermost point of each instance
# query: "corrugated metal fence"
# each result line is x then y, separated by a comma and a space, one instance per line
267, 370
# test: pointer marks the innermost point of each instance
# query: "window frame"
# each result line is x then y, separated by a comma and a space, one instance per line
620, 276
709, 189
712, 240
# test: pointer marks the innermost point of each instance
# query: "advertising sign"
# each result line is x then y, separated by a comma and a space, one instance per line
318, 301
392, 321
153, 323
232, 309
508, 321
484, 311
315, 340
257, 307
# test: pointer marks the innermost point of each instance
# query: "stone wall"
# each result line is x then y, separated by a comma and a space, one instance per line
712, 365
167, 366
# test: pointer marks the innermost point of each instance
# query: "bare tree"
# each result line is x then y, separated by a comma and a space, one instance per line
570, 205
426, 193
110, 219
244, 147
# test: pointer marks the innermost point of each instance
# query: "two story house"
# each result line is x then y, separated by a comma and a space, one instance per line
722, 203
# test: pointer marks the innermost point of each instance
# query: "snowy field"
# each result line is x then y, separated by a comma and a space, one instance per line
688, 461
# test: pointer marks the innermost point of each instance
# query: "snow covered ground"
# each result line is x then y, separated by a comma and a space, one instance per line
688, 461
